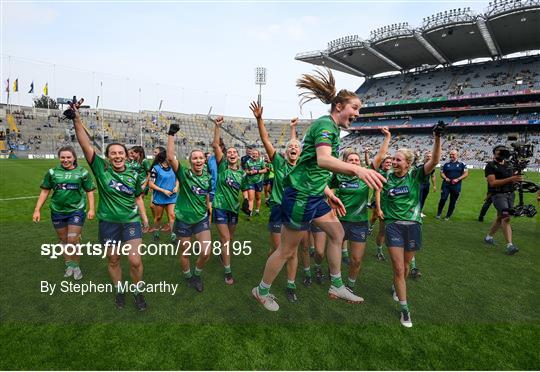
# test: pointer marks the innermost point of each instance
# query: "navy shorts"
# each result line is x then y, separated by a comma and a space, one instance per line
224, 217
275, 222
185, 230
446, 190
119, 232
406, 236
355, 231
61, 220
299, 210
211, 196
268, 182
258, 187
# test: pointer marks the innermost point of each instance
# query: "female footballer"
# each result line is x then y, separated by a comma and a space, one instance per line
282, 166
164, 186
226, 206
120, 209
69, 183
191, 210
305, 187
400, 206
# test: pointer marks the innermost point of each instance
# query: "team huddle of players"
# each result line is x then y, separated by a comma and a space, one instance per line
318, 200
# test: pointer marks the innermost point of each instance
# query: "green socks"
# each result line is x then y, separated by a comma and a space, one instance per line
351, 282
264, 289
379, 249
404, 306
291, 284
413, 263
187, 274
197, 271
72, 264
227, 269
307, 272
336, 280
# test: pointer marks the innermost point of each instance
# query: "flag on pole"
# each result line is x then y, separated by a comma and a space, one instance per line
7, 86
46, 89
16, 85
31, 88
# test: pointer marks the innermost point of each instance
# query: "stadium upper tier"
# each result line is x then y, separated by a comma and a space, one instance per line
39, 131
506, 27
474, 149
503, 77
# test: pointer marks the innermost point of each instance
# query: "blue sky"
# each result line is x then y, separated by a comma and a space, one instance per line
190, 55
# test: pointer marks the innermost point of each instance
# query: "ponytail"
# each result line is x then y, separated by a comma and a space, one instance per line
322, 86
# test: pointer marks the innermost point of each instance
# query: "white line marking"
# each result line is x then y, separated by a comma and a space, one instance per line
21, 197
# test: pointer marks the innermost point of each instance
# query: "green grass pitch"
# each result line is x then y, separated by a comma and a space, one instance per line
473, 308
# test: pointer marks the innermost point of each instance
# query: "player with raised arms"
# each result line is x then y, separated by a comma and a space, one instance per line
255, 171
305, 187
400, 206
226, 205
69, 183
120, 209
191, 211
282, 166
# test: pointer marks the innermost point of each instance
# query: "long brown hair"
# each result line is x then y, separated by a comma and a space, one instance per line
69, 149
322, 86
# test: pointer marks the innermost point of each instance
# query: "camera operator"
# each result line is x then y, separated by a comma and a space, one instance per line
501, 179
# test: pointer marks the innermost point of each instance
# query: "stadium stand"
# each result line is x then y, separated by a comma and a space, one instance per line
459, 67
42, 131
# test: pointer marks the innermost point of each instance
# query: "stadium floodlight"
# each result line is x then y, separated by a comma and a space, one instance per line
260, 80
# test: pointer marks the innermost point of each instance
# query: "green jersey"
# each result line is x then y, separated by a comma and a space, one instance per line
282, 168
228, 186
252, 164
307, 177
270, 174
191, 204
400, 196
354, 194
69, 187
117, 192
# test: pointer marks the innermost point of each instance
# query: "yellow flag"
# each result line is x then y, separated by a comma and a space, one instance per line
46, 89
16, 85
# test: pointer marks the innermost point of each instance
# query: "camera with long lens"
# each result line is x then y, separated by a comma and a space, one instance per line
519, 157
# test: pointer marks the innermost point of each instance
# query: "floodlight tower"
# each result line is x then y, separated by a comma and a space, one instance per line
260, 80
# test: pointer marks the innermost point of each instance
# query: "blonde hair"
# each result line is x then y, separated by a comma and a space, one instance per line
322, 86
293, 141
409, 155
348, 152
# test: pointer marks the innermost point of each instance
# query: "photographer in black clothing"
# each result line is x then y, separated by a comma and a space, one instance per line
501, 178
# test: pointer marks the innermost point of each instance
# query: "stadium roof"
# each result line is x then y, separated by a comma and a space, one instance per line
508, 26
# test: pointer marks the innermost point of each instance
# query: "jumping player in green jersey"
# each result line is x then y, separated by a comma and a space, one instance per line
282, 166
191, 211
120, 210
226, 206
69, 183
400, 206
354, 194
306, 187
255, 171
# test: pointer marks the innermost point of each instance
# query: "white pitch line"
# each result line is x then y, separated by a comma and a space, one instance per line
21, 197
